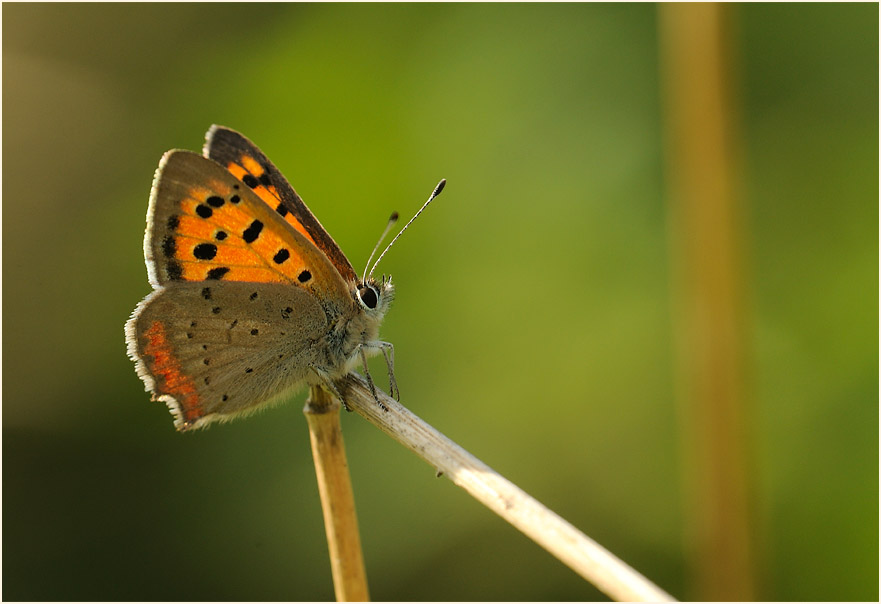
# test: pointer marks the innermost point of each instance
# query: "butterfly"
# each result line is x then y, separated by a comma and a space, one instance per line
252, 298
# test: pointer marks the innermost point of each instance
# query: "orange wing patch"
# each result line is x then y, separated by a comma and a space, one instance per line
222, 233
250, 172
245, 161
166, 368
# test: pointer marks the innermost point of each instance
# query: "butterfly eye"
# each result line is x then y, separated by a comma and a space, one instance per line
368, 296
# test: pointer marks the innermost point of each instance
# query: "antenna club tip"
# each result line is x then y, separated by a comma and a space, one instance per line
394, 217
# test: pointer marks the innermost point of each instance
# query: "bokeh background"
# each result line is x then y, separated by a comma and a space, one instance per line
534, 324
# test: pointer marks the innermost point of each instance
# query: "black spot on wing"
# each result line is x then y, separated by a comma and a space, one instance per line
205, 251
252, 232
217, 273
174, 270
169, 246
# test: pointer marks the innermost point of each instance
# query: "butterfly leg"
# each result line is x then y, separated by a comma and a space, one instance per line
370, 379
388, 351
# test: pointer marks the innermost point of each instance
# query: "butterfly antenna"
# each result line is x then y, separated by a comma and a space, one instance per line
435, 193
391, 221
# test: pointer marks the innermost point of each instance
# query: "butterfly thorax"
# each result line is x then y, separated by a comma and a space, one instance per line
355, 331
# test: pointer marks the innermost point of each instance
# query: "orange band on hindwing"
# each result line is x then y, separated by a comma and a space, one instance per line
165, 367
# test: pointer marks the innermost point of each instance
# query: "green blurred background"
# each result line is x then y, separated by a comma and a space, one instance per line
532, 322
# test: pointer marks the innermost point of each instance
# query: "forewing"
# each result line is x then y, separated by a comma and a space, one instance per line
247, 163
205, 225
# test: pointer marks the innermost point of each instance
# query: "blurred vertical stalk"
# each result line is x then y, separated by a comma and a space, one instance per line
703, 179
337, 501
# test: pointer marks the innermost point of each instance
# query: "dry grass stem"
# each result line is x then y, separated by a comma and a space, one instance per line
337, 502
583, 555
712, 324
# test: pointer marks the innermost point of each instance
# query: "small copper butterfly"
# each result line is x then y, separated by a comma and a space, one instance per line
251, 298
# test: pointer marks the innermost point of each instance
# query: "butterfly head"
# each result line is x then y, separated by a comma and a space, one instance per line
375, 297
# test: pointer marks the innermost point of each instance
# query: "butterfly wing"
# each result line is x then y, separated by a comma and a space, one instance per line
204, 225
215, 351
243, 300
246, 162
